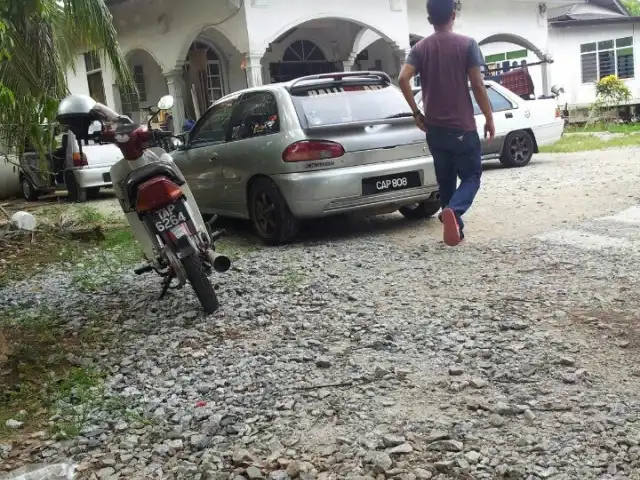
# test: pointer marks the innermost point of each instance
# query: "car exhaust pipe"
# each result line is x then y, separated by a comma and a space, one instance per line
220, 263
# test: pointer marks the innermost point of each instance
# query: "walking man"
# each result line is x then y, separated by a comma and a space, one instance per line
446, 62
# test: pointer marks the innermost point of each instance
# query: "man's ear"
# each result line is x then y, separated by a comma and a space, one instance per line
430, 21
453, 16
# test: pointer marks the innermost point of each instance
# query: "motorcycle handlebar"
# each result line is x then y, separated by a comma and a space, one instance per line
162, 134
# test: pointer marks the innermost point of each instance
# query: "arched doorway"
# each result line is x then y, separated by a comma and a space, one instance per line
150, 82
504, 61
204, 78
302, 57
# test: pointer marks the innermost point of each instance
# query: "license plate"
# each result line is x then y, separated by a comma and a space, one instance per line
170, 217
106, 177
387, 183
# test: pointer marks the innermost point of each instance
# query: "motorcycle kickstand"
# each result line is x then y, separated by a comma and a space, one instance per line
166, 284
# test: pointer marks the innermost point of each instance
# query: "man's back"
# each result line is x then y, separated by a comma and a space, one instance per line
443, 60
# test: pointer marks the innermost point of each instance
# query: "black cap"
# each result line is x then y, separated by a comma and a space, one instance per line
440, 11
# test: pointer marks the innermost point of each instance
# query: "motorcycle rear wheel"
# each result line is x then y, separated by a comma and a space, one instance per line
200, 283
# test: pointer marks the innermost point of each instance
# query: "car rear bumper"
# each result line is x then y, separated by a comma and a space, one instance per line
327, 192
549, 133
93, 177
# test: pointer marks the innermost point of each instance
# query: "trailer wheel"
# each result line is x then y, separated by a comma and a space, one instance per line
29, 192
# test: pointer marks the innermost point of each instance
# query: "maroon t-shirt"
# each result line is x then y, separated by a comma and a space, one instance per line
442, 61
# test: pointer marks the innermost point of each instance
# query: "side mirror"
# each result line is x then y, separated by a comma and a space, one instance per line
176, 143
166, 102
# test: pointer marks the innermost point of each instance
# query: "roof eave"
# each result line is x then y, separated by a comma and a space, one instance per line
594, 21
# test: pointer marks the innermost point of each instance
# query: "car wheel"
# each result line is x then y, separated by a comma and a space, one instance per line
270, 215
518, 149
93, 193
420, 210
28, 191
76, 194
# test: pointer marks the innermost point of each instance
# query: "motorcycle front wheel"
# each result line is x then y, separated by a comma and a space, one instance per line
200, 283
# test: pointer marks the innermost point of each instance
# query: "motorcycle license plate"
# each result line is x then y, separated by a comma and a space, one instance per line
170, 217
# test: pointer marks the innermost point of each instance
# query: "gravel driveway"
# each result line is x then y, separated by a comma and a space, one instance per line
384, 354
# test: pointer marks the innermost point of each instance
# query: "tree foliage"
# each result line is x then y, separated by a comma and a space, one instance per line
39, 43
633, 7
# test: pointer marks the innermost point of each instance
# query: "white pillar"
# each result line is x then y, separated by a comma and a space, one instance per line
253, 69
400, 56
175, 83
544, 69
349, 63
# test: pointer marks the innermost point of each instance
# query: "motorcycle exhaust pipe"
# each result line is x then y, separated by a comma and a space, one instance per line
220, 263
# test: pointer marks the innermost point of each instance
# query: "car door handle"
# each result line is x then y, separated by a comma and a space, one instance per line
214, 157
508, 115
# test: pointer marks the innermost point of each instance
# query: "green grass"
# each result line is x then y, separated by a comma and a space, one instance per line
582, 143
604, 127
292, 278
40, 378
47, 380
27, 257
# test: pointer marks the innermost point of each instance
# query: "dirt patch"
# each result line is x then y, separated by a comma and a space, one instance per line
43, 366
622, 325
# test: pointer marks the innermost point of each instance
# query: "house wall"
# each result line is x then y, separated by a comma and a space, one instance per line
482, 18
238, 29
566, 71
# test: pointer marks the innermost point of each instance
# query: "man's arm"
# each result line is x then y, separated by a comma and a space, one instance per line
480, 92
409, 69
404, 81
475, 61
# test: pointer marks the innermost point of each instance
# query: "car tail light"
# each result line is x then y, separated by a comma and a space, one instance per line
79, 160
308, 150
156, 193
134, 143
558, 115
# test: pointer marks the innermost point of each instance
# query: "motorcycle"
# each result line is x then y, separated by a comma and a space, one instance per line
154, 196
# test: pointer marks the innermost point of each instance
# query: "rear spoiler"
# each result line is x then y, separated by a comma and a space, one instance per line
362, 124
340, 78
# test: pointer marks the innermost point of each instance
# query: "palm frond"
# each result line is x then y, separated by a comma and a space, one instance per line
42, 40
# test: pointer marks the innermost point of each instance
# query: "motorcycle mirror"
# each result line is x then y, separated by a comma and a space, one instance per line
165, 103
176, 143
557, 89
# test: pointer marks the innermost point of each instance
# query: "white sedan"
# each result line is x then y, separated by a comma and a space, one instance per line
522, 126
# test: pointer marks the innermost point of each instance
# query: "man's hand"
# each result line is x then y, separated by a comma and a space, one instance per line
420, 122
489, 129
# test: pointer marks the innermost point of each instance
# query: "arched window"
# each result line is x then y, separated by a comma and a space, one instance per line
303, 51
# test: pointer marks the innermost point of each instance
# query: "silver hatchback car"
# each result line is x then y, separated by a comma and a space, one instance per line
313, 147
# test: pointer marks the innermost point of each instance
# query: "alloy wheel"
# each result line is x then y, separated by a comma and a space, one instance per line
520, 149
265, 214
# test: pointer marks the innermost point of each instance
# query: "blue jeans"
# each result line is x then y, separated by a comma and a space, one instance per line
456, 154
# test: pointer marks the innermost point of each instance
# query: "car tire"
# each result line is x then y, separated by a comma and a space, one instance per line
29, 192
270, 216
518, 149
422, 210
76, 194
93, 193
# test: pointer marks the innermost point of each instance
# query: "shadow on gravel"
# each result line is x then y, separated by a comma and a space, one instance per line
337, 228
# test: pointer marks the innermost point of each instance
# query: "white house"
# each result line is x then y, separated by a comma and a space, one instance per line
199, 50
592, 40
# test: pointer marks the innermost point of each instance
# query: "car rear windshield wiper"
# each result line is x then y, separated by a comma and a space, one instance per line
401, 115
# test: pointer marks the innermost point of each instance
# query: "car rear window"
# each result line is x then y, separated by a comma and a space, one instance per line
348, 103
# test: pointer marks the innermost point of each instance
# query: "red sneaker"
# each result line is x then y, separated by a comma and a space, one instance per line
451, 233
